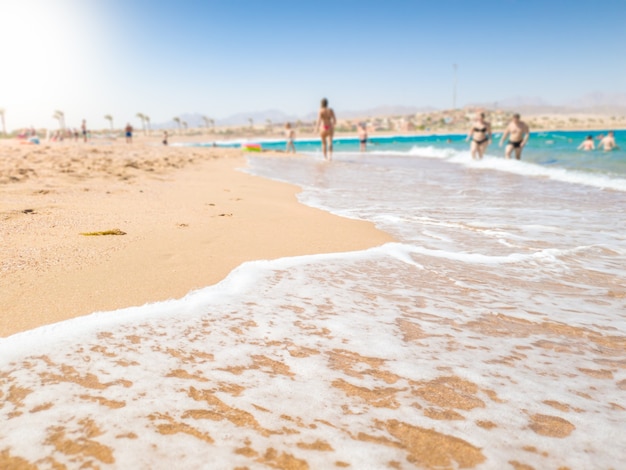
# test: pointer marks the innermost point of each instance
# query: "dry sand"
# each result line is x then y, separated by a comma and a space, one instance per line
188, 215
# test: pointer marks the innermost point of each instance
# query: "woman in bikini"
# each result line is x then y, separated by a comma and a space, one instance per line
326, 124
480, 134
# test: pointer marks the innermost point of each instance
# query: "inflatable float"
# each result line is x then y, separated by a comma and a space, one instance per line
251, 147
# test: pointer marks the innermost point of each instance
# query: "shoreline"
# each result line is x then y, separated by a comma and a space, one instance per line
207, 139
310, 138
189, 217
313, 362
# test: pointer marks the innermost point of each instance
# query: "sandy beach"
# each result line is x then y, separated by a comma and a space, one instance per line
488, 335
434, 279
188, 217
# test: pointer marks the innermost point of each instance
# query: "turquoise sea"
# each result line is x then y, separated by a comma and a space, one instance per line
549, 149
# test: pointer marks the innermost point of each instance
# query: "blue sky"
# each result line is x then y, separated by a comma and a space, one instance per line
164, 58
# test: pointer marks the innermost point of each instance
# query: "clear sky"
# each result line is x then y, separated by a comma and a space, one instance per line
163, 58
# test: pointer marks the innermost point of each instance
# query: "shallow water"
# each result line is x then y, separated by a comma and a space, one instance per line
553, 154
491, 335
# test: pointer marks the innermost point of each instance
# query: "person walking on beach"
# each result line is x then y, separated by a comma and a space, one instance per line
326, 121
362, 136
290, 136
518, 134
480, 133
164, 137
83, 128
129, 133
608, 143
587, 144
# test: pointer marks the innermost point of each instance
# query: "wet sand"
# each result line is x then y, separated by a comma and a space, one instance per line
187, 215
292, 381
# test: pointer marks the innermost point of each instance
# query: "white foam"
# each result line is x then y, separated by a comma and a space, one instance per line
519, 167
332, 348
335, 304
557, 174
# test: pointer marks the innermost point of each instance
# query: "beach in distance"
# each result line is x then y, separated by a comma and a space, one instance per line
198, 306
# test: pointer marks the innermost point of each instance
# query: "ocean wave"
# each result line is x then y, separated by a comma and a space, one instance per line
526, 168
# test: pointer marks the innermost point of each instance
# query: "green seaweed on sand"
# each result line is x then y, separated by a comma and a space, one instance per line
115, 231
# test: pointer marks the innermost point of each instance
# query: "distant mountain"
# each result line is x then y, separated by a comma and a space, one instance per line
259, 117
240, 119
597, 102
384, 111
599, 99
513, 102
522, 101
279, 117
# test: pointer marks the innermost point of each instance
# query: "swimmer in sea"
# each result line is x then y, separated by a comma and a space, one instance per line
518, 134
608, 143
480, 133
587, 144
290, 135
362, 136
326, 121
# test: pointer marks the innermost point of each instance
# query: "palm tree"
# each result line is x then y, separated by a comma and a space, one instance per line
268, 123
251, 121
177, 121
207, 121
4, 128
184, 123
60, 116
142, 117
147, 119
109, 118
212, 124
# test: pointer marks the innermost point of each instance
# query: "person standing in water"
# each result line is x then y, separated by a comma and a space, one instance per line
290, 136
362, 136
608, 143
518, 134
587, 144
326, 121
480, 133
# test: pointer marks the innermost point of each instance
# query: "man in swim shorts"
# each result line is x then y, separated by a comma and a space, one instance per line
518, 133
608, 142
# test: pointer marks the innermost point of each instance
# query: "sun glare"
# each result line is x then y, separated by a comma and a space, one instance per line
39, 42
46, 45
